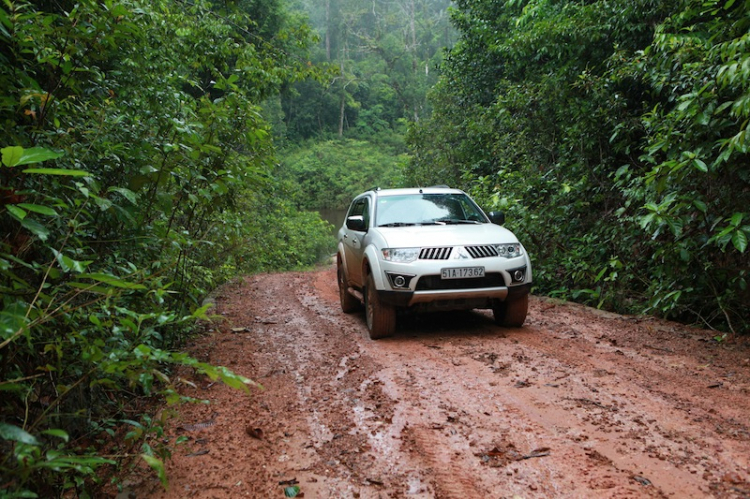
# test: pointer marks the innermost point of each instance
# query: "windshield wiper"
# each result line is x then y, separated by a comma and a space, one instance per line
397, 224
457, 222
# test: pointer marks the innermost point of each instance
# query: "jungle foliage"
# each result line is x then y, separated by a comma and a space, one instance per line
615, 135
137, 173
331, 173
382, 58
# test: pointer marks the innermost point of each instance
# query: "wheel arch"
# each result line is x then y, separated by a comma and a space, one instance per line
371, 265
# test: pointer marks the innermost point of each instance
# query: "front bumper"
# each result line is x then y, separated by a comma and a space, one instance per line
470, 296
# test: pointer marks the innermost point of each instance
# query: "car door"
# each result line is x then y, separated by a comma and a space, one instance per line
353, 239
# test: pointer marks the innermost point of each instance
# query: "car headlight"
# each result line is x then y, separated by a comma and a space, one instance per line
400, 255
510, 250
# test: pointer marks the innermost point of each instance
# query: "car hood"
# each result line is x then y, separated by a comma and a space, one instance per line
445, 235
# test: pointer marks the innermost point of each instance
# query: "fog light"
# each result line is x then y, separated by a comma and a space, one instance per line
399, 281
518, 276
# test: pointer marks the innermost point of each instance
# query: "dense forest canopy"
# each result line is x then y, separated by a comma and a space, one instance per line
153, 150
614, 133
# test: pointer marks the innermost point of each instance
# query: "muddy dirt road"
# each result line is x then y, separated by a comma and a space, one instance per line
577, 403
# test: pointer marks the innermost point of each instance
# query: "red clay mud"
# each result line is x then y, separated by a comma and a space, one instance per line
577, 403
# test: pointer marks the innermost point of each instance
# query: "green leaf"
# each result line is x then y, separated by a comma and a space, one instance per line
69, 265
11, 155
12, 319
58, 171
737, 219
36, 208
113, 281
126, 193
700, 165
91, 288
157, 465
201, 312
700, 205
292, 491
739, 240
36, 228
17, 212
17, 155
16, 434
57, 433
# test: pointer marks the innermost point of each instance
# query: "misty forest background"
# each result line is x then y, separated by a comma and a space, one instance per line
152, 151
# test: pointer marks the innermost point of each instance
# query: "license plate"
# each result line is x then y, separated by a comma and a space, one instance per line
462, 273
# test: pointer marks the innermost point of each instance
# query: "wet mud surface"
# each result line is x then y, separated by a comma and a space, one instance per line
578, 403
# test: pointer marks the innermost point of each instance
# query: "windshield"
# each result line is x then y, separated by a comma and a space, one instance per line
427, 209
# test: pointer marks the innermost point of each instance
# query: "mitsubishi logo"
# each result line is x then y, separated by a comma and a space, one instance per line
460, 253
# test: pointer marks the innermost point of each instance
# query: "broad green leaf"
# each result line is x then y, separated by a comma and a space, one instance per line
58, 171
201, 312
57, 433
16, 434
739, 240
126, 193
12, 319
17, 212
12, 387
69, 265
5, 23
36, 228
11, 155
17, 156
36, 208
737, 219
700, 165
700, 205
157, 465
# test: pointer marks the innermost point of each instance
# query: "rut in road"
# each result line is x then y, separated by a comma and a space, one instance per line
577, 403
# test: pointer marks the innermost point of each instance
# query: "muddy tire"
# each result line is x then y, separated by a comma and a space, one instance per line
381, 317
349, 303
511, 312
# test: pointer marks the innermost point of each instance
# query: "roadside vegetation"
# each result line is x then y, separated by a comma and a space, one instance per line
151, 151
138, 173
615, 136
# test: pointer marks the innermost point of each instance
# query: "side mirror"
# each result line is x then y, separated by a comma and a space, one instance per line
497, 217
356, 223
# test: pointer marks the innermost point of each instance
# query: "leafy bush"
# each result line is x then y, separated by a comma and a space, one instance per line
615, 135
131, 139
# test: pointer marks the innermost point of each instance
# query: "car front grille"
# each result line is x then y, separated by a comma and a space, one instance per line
483, 251
434, 282
435, 253
480, 251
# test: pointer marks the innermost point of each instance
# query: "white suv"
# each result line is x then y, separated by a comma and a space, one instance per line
428, 249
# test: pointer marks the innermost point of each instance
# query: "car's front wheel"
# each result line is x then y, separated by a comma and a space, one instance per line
381, 317
349, 303
512, 311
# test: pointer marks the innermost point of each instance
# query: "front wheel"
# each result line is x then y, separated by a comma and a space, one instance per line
512, 311
381, 317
